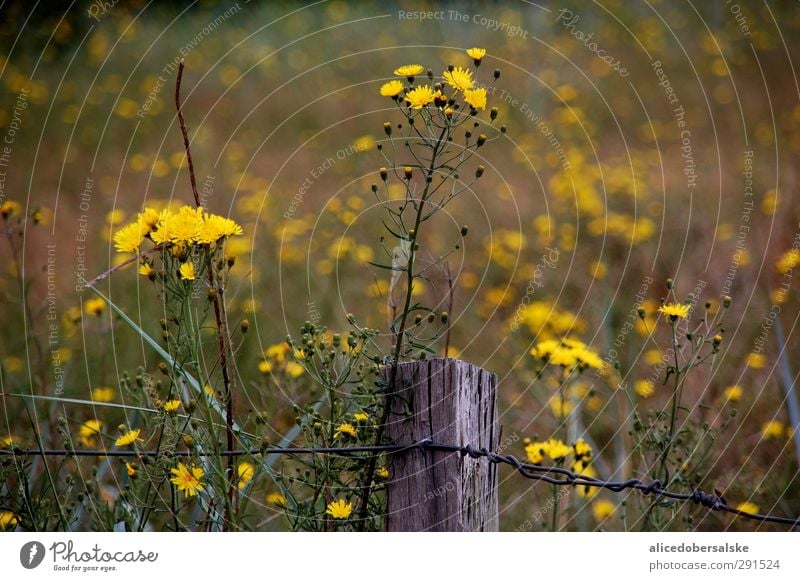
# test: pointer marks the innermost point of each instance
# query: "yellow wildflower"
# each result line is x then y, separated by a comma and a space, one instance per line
602, 509
475, 98
95, 306
773, 429
476, 54
360, 417
340, 509
382, 472
216, 228
756, 360
131, 468
187, 478
733, 393
535, 451
103, 394
748, 507
644, 388
409, 71
556, 449
172, 405
246, 472
130, 237
459, 78
674, 310
128, 438
421, 96
7, 520
392, 88
346, 429
145, 269
89, 431
276, 498
187, 271
294, 369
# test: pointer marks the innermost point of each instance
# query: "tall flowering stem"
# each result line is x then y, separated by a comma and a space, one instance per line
433, 114
220, 317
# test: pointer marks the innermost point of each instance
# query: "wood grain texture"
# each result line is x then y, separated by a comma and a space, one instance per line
451, 402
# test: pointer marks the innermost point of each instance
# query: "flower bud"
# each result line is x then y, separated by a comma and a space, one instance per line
387, 127
384, 173
481, 139
407, 172
479, 171
493, 113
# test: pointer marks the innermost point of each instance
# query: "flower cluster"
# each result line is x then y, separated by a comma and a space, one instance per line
570, 354
459, 79
186, 226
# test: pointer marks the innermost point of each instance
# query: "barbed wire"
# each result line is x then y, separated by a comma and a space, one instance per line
549, 474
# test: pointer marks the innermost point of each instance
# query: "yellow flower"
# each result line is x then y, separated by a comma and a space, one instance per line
13, 364
95, 306
339, 509
89, 431
128, 438
217, 227
187, 478
7, 520
183, 226
475, 98
756, 360
145, 269
276, 498
130, 237
421, 96
187, 271
459, 78
535, 451
9, 208
278, 352
644, 388
652, 356
172, 405
602, 509
748, 507
409, 71
131, 468
585, 491
788, 261
476, 54
674, 310
733, 393
773, 429
582, 450
148, 219
115, 217
382, 472
360, 417
346, 429
556, 449
7, 441
265, 367
246, 472
103, 394
294, 369
392, 88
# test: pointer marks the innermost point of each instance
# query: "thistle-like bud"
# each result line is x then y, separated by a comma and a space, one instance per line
497, 74
407, 171
493, 113
387, 128
481, 139
244, 326
479, 171
670, 283
384, 173
464, 230
726, 301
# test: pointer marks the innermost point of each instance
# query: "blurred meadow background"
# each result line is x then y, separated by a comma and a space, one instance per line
645, 141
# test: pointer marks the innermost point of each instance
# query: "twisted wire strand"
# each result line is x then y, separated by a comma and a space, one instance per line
549, 474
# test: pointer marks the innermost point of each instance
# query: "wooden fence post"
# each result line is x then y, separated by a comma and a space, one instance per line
451, 402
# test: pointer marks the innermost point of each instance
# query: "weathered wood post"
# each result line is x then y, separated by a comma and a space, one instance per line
451, 402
